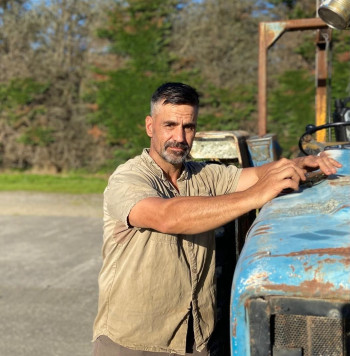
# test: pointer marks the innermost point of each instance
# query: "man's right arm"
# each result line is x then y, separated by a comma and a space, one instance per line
256, 186
192, 215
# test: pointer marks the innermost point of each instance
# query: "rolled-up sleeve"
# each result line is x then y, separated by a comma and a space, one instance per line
123, 192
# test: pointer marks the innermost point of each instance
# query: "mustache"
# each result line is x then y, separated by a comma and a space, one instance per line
175, 144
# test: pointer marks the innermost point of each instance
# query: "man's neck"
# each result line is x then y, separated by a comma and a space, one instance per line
172, 172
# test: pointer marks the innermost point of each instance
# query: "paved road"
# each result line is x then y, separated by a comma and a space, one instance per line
49, 262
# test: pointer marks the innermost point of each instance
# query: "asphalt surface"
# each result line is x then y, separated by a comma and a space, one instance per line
49, 263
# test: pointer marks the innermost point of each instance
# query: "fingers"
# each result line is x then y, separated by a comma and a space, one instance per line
323, 162
290, 169
327, 164
289, 177
283, 177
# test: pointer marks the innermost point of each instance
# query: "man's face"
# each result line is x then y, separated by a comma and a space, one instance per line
172, 129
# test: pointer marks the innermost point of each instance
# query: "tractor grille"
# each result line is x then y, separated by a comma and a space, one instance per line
315, 335
283, 326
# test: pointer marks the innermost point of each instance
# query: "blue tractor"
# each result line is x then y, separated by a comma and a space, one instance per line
291, 287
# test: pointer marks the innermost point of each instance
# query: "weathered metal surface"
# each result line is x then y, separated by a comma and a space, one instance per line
219, 145
323, 38
299, 246
262, 149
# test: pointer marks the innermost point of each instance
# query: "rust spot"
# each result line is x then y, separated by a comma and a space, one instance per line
306, 266
234, 327
338, 251
342, 207
262, 230
256, 278
313, 288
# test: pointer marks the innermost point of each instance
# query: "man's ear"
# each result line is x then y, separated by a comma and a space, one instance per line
149, 125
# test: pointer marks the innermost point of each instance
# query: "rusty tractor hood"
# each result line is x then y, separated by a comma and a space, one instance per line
299, 246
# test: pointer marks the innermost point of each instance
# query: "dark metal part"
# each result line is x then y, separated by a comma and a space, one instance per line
310, 129
297, 326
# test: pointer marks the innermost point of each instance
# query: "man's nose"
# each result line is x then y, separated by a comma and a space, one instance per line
179, 134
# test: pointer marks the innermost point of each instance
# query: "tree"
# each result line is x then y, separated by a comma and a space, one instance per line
219, 38
16, 26
138, 32
44, 49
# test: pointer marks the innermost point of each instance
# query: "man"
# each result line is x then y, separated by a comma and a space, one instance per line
157, 284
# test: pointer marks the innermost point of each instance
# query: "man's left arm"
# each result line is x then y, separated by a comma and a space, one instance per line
302, 165
323, 162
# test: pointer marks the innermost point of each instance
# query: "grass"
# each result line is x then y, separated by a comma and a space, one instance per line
70, 183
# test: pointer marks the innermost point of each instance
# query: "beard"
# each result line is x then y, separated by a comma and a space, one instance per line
175, 157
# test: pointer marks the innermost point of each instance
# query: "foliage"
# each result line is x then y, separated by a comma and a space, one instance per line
138, 32
340, 65
37, 136
218, 39
20, 91
224, 109
44, 54
293, 9
123, 102
291, 108
141, 33
76, 76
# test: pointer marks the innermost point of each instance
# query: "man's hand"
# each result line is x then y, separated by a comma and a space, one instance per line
310, 163
269, 180
273, 179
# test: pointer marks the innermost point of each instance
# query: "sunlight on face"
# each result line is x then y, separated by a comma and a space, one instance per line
173, 130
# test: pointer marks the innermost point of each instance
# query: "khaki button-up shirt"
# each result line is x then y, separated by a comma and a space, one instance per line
150, 281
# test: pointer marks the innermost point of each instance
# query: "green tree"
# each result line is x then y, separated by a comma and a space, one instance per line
219, 39
216, 43
292, 9
291, 108
340, 65
44, 50
139, 33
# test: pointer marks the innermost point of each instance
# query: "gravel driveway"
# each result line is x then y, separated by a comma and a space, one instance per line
49, 262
